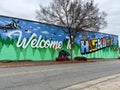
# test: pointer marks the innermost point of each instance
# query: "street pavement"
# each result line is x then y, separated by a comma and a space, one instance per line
55, 77
106, 83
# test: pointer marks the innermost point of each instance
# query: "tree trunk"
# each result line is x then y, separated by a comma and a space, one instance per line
71, 49
71, 57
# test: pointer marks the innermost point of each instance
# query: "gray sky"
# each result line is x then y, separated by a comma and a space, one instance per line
26, 9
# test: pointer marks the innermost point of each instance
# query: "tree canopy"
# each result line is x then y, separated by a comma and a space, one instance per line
78, 14
74, 15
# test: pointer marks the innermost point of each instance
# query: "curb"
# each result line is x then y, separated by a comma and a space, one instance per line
91, 83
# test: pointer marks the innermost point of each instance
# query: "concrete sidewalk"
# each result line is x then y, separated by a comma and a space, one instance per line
106, 83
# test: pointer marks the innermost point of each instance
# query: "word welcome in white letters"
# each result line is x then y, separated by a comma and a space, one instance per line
36, 42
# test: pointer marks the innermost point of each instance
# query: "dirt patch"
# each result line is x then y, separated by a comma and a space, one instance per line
27, 63
10, 64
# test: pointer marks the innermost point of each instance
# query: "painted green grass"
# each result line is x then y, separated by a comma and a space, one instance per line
9, 51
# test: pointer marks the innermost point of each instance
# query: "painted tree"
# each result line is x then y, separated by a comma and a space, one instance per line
8, 53
74, 15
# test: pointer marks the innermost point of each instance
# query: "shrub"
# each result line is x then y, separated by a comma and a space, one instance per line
62, 59
80, 58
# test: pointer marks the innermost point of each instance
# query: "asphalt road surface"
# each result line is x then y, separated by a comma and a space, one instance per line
55, 77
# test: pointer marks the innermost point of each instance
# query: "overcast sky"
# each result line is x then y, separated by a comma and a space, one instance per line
26, 9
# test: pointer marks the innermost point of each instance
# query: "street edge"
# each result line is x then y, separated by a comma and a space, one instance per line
91, 83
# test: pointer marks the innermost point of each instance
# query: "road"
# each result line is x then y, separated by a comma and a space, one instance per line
55, 77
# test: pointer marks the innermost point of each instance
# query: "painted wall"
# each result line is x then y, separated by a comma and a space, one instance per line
28, 40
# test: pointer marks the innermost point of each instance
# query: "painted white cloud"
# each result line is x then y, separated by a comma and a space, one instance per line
45, 32
30, 26
60, 35
35, 29
10, 34
38, 28
36, 23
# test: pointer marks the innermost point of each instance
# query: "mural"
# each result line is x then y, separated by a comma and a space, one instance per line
28, 40
89, 46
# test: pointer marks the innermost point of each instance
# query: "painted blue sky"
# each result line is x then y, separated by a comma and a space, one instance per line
28, 28
47, 31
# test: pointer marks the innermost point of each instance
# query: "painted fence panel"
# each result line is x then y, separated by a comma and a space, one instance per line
27, 40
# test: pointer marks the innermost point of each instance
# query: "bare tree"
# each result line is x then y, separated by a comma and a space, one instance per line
74, 15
